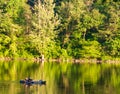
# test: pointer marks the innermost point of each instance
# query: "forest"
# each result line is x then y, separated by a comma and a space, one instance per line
60, 29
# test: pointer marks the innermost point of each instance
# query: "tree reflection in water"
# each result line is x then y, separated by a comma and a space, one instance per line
62, 78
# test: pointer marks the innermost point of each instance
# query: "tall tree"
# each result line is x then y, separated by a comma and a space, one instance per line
69, 12
8, 27
44, 22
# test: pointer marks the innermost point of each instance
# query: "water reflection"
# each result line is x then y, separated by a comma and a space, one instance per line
62, 78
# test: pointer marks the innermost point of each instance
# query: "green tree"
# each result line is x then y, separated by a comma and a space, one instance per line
80, 23
44, 22
12, 26
108, 34
69, 12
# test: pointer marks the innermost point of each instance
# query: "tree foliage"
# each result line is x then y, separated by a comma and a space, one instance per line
60, 28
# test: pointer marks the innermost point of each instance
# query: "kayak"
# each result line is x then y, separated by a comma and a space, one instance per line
41, 82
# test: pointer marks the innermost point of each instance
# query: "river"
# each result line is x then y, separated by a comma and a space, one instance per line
61, 78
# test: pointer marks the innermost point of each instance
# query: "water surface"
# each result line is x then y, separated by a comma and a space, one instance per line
62, 78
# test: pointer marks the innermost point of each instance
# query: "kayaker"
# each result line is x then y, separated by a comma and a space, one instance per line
28, 79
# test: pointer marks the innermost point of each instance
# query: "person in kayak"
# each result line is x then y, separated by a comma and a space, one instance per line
28, 79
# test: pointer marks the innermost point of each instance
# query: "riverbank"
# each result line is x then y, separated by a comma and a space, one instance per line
40, 60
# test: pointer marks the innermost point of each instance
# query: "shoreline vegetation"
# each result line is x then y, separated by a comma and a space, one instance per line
70, 30
74, 61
